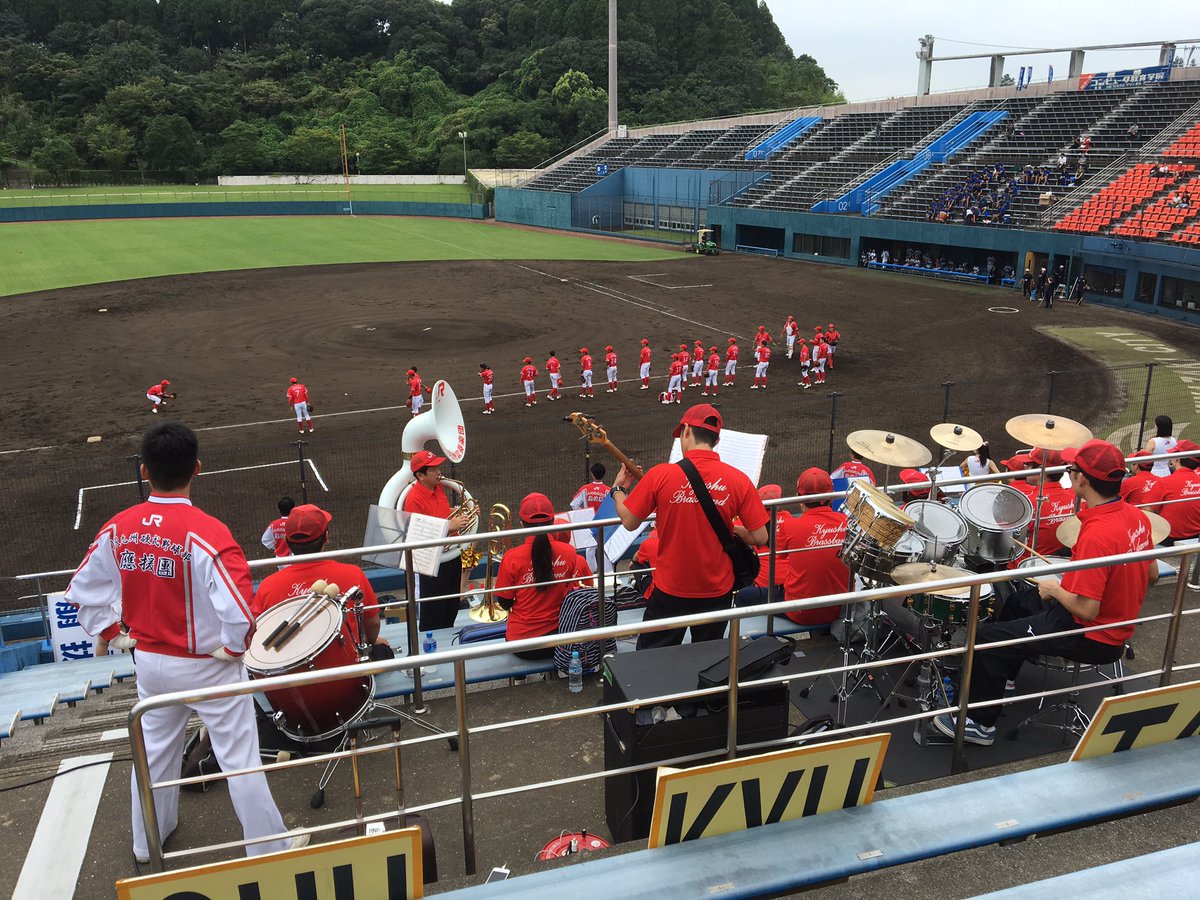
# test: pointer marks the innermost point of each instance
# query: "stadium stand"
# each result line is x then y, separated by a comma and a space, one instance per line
1112, 202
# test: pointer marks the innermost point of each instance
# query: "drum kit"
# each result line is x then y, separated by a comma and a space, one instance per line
929, 540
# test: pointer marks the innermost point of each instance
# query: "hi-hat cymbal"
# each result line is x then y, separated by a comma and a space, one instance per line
1068, 532
1050, 432
888, 449
917, 572
956, 437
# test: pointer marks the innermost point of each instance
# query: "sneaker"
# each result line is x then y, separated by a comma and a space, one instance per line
528, 404
300, 840
754, 387
983, 735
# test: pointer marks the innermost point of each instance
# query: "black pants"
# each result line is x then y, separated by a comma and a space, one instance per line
1024, 613
666, 606
544, 653
435, 614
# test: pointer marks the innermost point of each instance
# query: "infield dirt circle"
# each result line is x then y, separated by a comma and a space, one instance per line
229, 342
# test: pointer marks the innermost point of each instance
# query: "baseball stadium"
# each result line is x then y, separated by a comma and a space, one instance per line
402, 289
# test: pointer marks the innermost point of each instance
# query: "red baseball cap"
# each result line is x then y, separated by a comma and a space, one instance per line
295, 381
645, 342
762, 327
712, 349
1097, 458
699, 343
913, 476
699, 416
423, 459
583, 349
1146, 467
1180, 446
770, 492
306, 523
814, 481
608, 349
733, 340
1053, 457
683, 346
830, 324
536, 509
1018, 462
164, 382
527, 360
412, 372
803, 341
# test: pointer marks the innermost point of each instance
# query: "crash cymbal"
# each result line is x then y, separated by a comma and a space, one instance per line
1050, 432
1068, 531
888, 449
956, 437
915, 573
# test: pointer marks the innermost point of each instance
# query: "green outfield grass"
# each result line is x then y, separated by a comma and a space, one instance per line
42, 256
209, 193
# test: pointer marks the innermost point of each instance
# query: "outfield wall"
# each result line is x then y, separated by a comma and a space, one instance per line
335, 180
243, 208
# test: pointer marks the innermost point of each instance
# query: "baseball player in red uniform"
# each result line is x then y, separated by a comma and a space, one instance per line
714, 366
675, 384
762, 336
176, 578
297, 396
684, 356
832, 336
416, 391
610, 366
644, 365
585, 373
762, 356
554, 367
820, 353
489, 385
697, 365
274, 538
791, 328
528, 373
157, 394
805, 361
731, 355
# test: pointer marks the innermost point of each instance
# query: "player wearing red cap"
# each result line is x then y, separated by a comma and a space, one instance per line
697, 365
416, 391
610, 368
832, 337
693, 574
157, 394
714, 366
1084, 599
585, 374
675, 382
762, 356
805, 361
644, 365
489, 379
820, 353
428, 497
528, 373
685, 357
731, 355
1182, 485
554, 367
297, 397
814, 538
791, 328
762, 336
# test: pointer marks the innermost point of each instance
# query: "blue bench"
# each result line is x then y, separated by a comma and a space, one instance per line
1167, 873
33, 693
774, 859
8, 721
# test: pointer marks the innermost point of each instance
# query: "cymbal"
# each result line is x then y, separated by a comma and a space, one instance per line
1048, 432
1068, 531
956, 437
914, 573
888, 449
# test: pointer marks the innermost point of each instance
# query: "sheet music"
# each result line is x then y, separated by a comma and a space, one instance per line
619, 542
427, 561
582, 538
743, 451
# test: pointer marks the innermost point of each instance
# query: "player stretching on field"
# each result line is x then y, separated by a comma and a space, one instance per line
297, 397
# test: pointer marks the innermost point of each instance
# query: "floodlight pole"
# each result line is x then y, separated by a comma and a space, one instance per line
612, 65
463, 135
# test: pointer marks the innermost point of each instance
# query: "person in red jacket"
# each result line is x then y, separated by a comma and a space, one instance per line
714, 366
528, 374
489, 385
762, 357
554, 368
297, 398
1183, 487
813, 542
644, 365
275, 537
585, 374
610, 368
731, 355
175, 578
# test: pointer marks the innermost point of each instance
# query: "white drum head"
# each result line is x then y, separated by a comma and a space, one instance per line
996, 507
302, 646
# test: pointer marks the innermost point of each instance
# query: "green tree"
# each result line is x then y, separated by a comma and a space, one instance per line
244, 150
583, 106
111, 144
56, 157
312, 151
523, 150
170, 144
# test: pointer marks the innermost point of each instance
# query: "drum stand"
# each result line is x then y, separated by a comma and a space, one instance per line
931, 690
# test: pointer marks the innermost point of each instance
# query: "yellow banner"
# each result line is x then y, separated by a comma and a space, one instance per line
1142, 720
379, 865
744, 793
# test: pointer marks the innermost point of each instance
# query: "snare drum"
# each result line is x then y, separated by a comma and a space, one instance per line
875, 515
317, 711
995, 514
942, 529
875, 563
952, 609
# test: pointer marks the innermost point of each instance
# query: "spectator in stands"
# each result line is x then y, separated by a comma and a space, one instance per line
1131, 133
1085, 144
813, 540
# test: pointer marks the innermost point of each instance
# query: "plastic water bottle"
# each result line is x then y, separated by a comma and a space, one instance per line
429, 645
575, 673
948, 687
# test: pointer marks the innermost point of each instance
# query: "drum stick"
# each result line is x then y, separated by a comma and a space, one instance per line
311, 614
314, 594
1031, 550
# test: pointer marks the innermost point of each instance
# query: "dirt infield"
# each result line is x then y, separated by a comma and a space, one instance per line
229, 342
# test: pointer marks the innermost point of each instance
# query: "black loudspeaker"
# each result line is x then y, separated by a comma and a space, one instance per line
632, 737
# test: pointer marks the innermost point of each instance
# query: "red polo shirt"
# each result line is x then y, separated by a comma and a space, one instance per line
1183, 483
814, 570
1058, 505
421, 499
647, 555
691, 561
295, 581
1143, 488
764, 569
535, 610
1107, 530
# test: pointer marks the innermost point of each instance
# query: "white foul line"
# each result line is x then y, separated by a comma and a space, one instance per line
645, 279
56, 854
312, 465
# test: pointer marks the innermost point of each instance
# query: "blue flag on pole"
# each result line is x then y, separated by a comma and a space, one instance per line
1050, 78
1021, 78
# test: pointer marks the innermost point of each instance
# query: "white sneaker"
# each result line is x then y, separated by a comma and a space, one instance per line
300, 840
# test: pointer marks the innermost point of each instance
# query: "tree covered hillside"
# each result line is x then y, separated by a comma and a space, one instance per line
204, 87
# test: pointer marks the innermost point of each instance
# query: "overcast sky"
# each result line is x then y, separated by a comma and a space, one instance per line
868, 46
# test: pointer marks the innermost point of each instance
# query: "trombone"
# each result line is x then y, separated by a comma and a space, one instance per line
500, 518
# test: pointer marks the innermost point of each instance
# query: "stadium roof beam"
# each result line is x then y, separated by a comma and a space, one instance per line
926, 59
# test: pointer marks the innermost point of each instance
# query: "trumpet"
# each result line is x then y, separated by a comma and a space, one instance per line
500, 517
